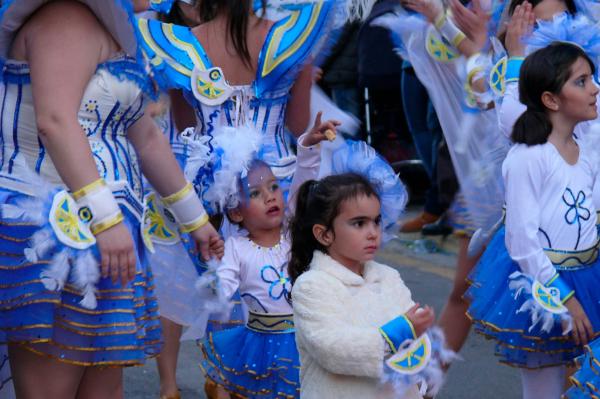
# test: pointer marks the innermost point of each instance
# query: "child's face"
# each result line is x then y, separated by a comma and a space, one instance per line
262, 205
577, 99
356, 231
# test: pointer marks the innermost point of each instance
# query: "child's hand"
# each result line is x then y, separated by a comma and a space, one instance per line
582, 328
421, 318
519, 26
204, 237
216, 246
320, 130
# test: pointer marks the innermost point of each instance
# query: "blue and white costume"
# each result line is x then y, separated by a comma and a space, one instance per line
114, 325
547, 253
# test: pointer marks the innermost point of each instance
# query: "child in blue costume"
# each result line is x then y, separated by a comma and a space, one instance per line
537, 279
76, 298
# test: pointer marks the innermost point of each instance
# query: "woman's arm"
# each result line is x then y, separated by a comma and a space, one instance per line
297, 115
162, 171
62, 54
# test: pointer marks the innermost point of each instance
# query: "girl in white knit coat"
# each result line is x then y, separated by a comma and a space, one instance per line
349, 311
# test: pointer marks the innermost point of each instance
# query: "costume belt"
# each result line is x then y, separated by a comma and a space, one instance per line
271, 323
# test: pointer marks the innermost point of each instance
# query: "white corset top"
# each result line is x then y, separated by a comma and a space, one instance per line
112, 102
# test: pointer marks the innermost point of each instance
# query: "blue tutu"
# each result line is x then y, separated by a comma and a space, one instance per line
259, 360
122, 330
494, 310
586, 381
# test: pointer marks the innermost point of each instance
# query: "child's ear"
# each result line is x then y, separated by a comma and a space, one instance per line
550, 101
235, 215
323, 234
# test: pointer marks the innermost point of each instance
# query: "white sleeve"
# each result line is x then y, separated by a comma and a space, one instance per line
308, 160
524, 180
229, 270
510, 109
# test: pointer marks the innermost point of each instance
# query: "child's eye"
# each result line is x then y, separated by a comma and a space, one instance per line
275, 187
378, 220
253, 194
580, 82
358, 223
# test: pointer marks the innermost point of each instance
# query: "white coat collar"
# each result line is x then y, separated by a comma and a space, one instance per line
327, 264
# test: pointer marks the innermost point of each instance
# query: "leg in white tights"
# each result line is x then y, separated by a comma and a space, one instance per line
545, 383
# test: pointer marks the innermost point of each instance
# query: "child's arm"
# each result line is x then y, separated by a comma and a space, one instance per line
229, 271
308, 159
323, 327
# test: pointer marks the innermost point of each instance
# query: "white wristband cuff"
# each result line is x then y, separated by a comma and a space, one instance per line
186, 208
449, 30
98, 206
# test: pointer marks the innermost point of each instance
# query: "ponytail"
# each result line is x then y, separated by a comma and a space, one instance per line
304, 242
533, 127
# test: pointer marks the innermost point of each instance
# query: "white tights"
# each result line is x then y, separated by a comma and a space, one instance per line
545, 383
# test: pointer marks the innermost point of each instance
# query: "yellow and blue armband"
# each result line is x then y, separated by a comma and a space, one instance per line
513, 69
553, 294
396, 331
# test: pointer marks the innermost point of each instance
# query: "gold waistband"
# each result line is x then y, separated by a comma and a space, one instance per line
273, 323
568, 259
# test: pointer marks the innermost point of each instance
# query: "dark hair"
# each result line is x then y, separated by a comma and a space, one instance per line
238, 12
319, 202
545, 70
514, 3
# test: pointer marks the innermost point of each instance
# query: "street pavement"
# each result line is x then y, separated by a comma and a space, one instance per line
429, 276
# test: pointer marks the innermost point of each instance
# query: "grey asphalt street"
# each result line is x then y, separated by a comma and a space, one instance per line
429, 276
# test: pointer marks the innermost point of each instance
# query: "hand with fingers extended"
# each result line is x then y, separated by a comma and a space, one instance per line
421, 318
472, 22
117, 254
583, 331
519, 27
321, 131
208, 242
430, 9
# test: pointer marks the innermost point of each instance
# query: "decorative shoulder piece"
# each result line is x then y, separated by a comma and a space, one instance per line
159, 226
161, 6
396, 331
186, 209
210, 87
438, 47
97, 206
291, 40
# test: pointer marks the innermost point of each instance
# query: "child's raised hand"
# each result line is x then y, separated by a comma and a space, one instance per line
519, 26
421, 318
582, 328
320, 131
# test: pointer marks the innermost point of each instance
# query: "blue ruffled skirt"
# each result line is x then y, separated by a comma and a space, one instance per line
253, 361
586, 381
493, 310
123, 329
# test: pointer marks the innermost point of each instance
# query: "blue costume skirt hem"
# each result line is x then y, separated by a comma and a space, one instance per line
123, 330
494, 310
586, 381
252, 364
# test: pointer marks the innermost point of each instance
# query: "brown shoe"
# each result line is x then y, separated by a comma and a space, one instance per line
416, 224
